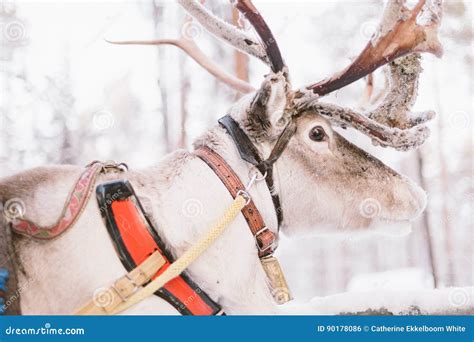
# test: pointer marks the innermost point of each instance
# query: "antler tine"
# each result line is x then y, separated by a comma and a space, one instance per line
266, 50
394, 111
268, 41
193, 50
399, 139
390, 124
399, 34
223, 30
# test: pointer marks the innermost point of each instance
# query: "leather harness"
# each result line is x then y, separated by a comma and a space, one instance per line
265, 239
135, 239
250, 154
140, 249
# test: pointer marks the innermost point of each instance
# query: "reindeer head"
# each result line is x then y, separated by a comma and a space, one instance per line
322, 178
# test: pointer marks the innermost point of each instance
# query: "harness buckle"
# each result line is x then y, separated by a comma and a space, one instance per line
122, 292
262, 248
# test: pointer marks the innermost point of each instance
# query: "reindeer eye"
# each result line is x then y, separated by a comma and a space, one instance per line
317, 133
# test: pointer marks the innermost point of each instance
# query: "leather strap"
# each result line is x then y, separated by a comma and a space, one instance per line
265, 239
250, 154
134, 237
123, 287
247, 150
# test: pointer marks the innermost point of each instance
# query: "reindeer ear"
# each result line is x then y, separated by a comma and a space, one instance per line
267, 110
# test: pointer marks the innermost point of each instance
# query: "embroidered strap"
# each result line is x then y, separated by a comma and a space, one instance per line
265, 239
73, 207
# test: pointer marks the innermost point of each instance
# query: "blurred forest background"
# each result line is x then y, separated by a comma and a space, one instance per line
68, 96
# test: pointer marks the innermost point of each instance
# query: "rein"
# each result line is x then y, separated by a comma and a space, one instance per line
250, 154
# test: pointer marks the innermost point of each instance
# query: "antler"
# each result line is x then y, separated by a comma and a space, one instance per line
223, 30
398, 35
398, 42
266, 50
265, 34
390, 124
190, 47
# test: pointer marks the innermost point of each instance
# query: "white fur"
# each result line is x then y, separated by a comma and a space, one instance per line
64, 273
321, 187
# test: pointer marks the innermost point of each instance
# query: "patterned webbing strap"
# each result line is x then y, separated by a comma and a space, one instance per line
73, 207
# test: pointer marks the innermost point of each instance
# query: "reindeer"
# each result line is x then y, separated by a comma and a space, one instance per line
322, 179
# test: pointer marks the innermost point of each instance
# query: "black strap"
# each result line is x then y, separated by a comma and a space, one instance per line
118, 190
250, 154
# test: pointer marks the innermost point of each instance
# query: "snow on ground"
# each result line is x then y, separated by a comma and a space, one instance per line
397, 279
405, 291
453, 300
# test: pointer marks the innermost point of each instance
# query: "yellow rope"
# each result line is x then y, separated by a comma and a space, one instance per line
187, 258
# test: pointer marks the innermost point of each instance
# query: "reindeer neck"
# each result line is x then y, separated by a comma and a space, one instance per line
189, 198
221, 142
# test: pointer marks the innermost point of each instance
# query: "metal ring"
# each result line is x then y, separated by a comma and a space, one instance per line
256, 173
112, 165
245, 195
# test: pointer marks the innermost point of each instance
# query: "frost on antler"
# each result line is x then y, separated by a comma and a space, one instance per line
385, 136
394, 111
223, 30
